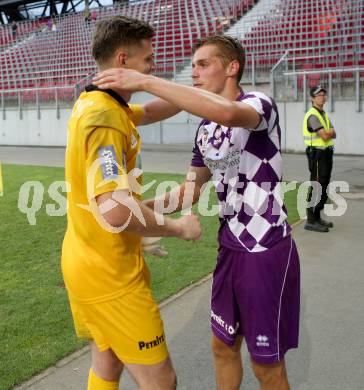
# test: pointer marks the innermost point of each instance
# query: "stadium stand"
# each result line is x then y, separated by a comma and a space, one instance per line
41, 57
24, 29
311, 34
317, 34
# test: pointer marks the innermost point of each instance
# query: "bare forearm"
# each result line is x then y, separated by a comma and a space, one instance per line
122, 212
155, 224
179, 198
169, 203
330, 135
196, 101
158, 110
326, 135
133, 216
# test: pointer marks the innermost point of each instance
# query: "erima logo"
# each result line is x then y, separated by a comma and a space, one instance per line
262, 341
108, 161
151, 344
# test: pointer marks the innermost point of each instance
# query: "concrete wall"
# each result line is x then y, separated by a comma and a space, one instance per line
50, 131
348, 123
46, 131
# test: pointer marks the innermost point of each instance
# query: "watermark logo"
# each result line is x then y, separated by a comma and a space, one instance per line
234, 196
31, 195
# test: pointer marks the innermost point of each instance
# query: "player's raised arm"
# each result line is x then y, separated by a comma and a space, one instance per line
203, 103
196, 101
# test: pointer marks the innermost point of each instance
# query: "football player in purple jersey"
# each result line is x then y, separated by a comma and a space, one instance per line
256, 282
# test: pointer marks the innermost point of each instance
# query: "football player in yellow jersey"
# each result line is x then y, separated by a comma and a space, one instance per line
225, 137
104, 271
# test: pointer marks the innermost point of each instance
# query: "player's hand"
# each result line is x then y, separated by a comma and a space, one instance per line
120, 79
190, 227
152, 245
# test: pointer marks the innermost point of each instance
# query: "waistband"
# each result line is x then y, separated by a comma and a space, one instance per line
321, 147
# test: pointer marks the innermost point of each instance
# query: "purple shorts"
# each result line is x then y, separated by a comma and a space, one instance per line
257, 295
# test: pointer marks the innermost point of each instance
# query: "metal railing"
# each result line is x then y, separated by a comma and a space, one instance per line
341, 84
267, 37
37, 99
56, 97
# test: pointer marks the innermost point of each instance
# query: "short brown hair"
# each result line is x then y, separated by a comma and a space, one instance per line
230, 49
115, 32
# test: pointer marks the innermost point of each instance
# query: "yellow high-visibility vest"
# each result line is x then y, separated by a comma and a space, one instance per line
313, 139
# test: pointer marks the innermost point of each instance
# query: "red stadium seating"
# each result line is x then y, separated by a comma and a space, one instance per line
329, 33
318, 34
42, 57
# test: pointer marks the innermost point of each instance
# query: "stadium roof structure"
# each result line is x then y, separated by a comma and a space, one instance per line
22, 9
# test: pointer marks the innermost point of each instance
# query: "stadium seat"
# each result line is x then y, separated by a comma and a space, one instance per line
318, 35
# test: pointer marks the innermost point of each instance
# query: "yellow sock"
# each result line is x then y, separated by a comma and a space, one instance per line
97, 383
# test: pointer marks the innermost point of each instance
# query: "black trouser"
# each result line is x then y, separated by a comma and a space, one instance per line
320, 166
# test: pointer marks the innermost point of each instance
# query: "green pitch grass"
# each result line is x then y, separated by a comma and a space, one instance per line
36, 328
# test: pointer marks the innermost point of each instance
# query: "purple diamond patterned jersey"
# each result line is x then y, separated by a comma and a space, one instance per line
246, 168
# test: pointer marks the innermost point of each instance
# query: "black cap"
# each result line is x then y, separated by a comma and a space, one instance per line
317, 89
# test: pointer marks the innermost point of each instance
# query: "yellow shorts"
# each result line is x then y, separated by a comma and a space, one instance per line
130, 325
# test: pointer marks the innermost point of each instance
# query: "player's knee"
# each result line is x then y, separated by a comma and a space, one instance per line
168, 379
107, 370
269, 373
224, 351
171, 381
107, 365
161, 381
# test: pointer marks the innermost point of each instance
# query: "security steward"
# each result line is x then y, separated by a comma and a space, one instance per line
318, 134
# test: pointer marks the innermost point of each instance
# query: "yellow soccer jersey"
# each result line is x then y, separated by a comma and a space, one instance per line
102, 149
